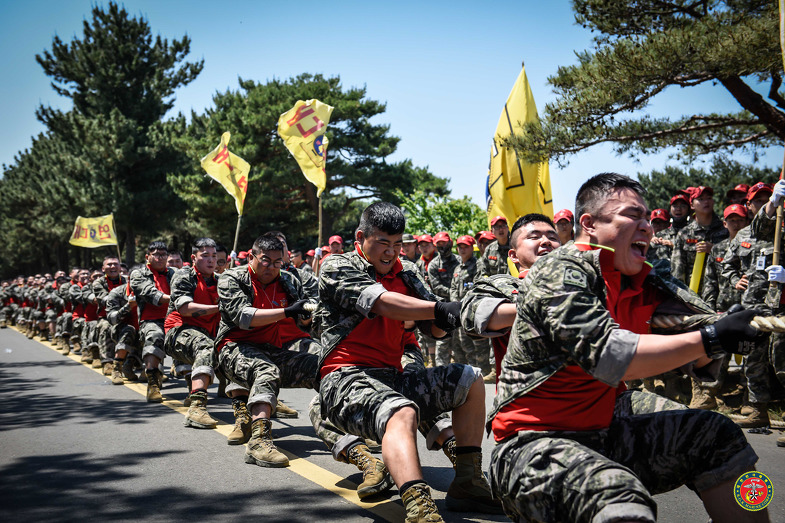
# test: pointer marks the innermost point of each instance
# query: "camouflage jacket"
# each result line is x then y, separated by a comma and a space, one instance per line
75, 295
717, 291
440, 273
760, 292
143, 286
307, 280
463, 279
235, 298
306, 268
493, 261
118, 308
483, 298
684, 248
563, 320
421, 267
99, 290
347, 292
663, 252
183, 286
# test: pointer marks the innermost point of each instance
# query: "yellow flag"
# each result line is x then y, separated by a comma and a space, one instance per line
514, 187
302, 130
94, 232
229, 170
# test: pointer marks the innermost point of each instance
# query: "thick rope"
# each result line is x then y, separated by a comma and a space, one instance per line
762, 323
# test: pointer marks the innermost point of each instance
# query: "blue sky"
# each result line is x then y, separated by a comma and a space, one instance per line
443, 68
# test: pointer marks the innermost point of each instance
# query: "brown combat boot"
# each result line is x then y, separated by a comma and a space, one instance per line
746, 410
128, 370
376, 477
197, 415
261, 449
419, 505
117, 372
96, 353
284, 411
30, 332
470, 491
449, 450
108, 368
242, 423
759, 417
153, 387
66, 346
701, 398
490, 377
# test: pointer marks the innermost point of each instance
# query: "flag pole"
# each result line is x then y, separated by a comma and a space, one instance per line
116, 244
237, 232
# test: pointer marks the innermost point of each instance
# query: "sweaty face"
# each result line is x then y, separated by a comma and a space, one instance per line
204, 261
501, 231
381, 249
157, 259
536, 240
111, 268
622, 223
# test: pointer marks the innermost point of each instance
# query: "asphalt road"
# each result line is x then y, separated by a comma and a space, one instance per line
75, 447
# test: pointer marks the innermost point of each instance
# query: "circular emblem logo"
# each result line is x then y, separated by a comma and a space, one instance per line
753, 491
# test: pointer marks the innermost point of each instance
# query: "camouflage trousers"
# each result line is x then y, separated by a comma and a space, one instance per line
758, 372
612, 474
194, 346
361, 400
127, 339
50, 316
37, 317
89, 338
106, 344
8, 312
22, 315
477, 350
427, 345
264, 369
445, 351
76, 329
63, 325
777, 361
339, 442
151, 336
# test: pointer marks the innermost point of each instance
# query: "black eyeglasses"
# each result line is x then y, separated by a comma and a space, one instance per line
264, 261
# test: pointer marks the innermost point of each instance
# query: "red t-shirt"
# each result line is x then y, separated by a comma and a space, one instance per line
273, 296
572, 399
157, 312
206, 293
378, 342
78, 311
110, 285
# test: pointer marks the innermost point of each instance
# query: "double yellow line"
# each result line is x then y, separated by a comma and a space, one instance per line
386, 509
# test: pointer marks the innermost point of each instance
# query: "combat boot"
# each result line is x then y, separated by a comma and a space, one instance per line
87, 356
759, 417
470, 491
490, 378
701, 398
197, 415
3, 324
44, 335
781, 441
108, 368
30, 332
96, 354
117, 372
261, 449
188, 382
128, 370
76, 346
376, 477
449, 450
284, 411
242, 423
419, 505
66, 347
746, 410
153, 387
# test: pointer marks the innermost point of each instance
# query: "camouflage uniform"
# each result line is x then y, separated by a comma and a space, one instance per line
717, 291
77, 305
595, 475
360, 400
261, 368
440, 273
307, 279
427, 344
684, 248
190, 343
151, 332
119, 314
665, 252
65, 320
493, 261
476, 350
100, 290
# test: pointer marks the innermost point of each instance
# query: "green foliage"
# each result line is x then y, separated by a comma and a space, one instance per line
428, 213
279, 197
722, 176
642, 48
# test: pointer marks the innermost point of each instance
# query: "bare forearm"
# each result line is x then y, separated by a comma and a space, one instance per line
396, 306
197, 310
657, 354
264, 317
503, 317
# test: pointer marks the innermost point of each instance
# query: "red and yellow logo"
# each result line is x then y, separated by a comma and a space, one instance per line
753, 491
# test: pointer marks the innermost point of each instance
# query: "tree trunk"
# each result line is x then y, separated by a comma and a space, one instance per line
130, 248
771, 117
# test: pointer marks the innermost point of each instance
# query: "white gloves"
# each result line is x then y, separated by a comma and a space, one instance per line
778, 194
318, 251
776, 273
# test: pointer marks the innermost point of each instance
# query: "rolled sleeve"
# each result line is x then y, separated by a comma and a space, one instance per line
615, 358
182, 300
246, 315
156, 299
367, 299
482, 316
706, 374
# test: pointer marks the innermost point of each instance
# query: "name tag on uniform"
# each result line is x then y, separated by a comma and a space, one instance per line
746, 245
442, 270
691, 240
492, 258
761, 263
719, 259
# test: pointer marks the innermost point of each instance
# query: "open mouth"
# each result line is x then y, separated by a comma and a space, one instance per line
640, 248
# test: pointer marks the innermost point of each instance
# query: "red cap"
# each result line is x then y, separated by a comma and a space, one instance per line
334, 239
759, 187
660, 214
465, 240
496, 219
425, 238
681, 195
311, 252
736, 209
441, 237
487, 235
325, 249
742, 188
697, 192
243, 255
564, 214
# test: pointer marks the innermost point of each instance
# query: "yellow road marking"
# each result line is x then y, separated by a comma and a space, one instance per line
386, 509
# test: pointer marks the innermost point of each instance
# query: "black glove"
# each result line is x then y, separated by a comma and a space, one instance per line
447, 315
297, 309
731, 334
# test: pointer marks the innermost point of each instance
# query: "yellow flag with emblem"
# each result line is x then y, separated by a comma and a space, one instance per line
515, 187
302, 129
229, 170
94, 232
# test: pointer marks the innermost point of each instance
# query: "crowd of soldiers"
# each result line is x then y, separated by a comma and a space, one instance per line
401, 330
